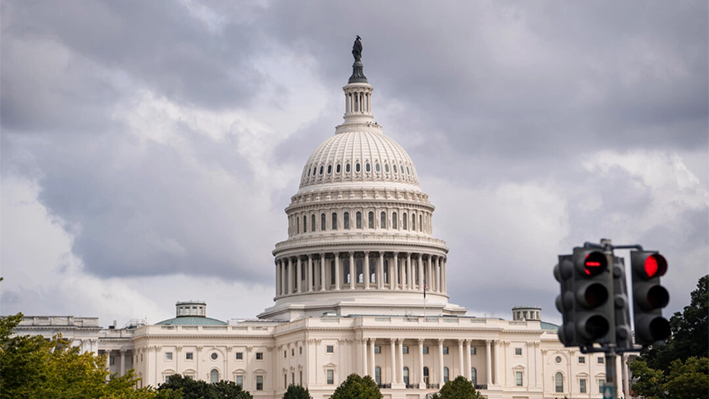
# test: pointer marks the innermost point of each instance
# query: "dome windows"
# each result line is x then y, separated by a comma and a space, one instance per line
308, 172
321, 170
347, 168
377, 168
329, 169
337, 168
315, 169
386, 167
402, 169
407, 170
367, 167
357, 167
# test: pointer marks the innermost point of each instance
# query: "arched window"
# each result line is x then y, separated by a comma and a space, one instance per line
321, 170
347, 220
394, 220
329, 169
322, 222
425, 375
383, 220
445, 374
403, 221
413, 222
357, 168
214, 375
394, 168
338, 168
347, 168
360, 276
420, 223
376, 167
334, 221
474, 376
406, 375
305, 224
346, 271
386, 167
401, 167
315, 168
297, 225
378, 375
559, 382
312, 221
371, 220
358, 217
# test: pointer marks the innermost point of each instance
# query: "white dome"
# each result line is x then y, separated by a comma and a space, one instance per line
359, 153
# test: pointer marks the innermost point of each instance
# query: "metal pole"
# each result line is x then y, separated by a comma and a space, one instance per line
611, 380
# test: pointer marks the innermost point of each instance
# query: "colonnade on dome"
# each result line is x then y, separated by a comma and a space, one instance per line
342, 271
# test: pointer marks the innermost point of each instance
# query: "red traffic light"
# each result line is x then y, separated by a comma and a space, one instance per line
595, 263
655, 266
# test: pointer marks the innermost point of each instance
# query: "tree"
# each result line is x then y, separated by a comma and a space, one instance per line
32, 367
459, 388
296, 392
356, 387
686, 380
690, 332
198, 389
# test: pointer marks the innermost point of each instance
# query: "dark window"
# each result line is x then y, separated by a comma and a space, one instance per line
405, 350
559, 382
582, 360
357, 168
312, 221
383, 220
330, 349
518, 351
394, 220
474, 376
402, 169
394, 168
329, 169
337, 169
188, 356
445, 374
305, 224
378, 375
239, 355
332, 272
406, 375
358, 217
285, 354
259, 383
367, 167
386, 167
600, 360
214, 356
413, 222
360, 278
376, 167
334, 221
473, 351
259, 355
315, 169
347, 220
420, 223
425, 350
371, 220
330, 377
321, 170
322, 222
308, 172
445, 350
347, 168
403, 221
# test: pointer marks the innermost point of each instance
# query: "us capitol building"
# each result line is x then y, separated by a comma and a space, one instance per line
360, 287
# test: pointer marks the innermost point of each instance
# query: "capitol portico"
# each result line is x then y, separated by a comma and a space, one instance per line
360, 287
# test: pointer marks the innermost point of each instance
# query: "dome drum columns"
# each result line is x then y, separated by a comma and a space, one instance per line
360, 270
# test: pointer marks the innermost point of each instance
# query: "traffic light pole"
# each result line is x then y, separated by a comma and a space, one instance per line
611, 378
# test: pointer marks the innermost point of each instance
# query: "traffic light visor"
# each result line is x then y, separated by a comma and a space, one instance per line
655, 266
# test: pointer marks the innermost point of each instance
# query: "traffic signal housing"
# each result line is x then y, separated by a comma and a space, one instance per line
623, 332
586, 296
649, 297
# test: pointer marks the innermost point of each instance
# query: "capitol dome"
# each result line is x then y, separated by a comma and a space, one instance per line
360, 229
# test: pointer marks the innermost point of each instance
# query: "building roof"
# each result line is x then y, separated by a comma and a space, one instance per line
192, 321
548, 326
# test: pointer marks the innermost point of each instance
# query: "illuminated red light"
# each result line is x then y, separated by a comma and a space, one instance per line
651, 266
594, 263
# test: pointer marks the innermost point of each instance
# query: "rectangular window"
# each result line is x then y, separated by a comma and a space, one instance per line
240, 380
168, 356
582, 360
330, 349
259, 382
301, 378
292, 352
582, 385
166, 379
600, 360
239, 355
445, 350
285, 354
189, 356
518, 378
405, 350
300, 350
425, 350
377, 349
112, 360
473, 351
518, 351
285, 381
259, 356
330, 377
601, 383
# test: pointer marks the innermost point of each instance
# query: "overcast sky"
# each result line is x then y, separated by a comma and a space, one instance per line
149, 148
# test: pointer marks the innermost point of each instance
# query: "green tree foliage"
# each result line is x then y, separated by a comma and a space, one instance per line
356, 387
690, 332
459, 388
198, 389
686, 380
33, 367
297, 392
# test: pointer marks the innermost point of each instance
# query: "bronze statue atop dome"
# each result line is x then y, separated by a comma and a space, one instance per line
357, 49
357, 67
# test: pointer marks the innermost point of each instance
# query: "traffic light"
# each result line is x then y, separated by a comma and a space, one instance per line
623, 336
586, 298
649, 297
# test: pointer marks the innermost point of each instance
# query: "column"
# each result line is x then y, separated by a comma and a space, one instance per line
298, 274
393, 361
400, 352
436, 276
421, 365
440, 363
365, 270
468, 366
108, 360
444, 279
461, 363
353, 271
395, 277
337, 271
429, 278
409, 272
380, 271
372, 357
421, 274
122, 371
278, 278
365, 366
309, 273
289, 275
322, 273
402, 271
488, 364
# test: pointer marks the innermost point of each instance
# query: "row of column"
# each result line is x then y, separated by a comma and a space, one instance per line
398, 271
397, 361
358, 101
122, 369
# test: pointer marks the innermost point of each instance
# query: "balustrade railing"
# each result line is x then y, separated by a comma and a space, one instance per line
384, 386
